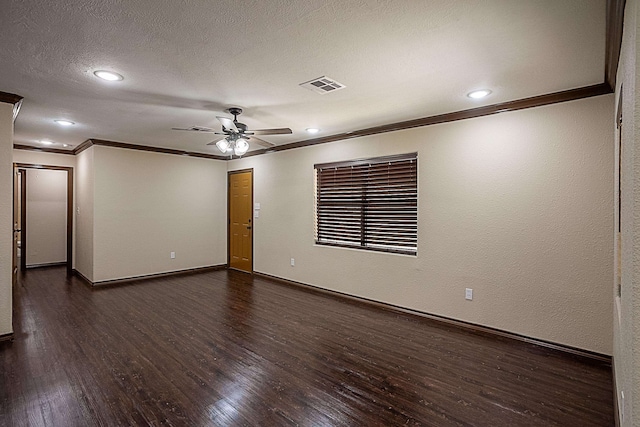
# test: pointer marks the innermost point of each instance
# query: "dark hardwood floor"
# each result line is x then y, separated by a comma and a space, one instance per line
226, 349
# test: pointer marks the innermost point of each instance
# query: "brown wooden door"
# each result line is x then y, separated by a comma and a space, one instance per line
240, 223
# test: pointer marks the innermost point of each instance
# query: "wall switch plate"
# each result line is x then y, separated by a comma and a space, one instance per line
256, 206
173, 255
468, 294
293, 262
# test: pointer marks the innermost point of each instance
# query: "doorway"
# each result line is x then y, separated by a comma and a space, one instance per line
240, 231
21, 217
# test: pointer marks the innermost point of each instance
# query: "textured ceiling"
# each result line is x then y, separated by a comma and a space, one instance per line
186, 61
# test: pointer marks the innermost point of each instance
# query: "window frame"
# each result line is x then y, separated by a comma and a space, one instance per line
370, 237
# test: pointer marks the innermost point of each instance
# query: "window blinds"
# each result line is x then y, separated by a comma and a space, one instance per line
369, 204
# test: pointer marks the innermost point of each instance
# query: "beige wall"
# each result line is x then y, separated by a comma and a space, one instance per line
6, 216
46, 228
133, 208
626, 323
516, 206
83, 211
33, 157
147, 205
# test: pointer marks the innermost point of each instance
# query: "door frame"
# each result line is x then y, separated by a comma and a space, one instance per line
253, 224
23, 217
19, 176
23, 209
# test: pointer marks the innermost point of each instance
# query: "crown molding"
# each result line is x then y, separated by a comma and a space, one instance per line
91, 142
80, 148
10, 98
520, 104
43, 149
105, 143
615, 22
535, 101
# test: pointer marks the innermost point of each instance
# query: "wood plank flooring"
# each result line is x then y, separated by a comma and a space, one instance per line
226, 349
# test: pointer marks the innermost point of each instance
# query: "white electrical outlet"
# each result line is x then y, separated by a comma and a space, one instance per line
468, 294
293, 262
173, 255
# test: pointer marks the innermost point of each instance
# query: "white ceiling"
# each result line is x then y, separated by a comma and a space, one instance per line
186, 61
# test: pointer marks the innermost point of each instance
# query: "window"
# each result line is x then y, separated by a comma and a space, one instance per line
369, 204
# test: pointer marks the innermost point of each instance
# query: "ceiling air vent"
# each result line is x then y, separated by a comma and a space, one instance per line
323, 85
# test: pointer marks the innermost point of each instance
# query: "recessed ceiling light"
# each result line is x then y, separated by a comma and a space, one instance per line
108, 75
313, 130
65, 145
64, 122
45, 142
477, 94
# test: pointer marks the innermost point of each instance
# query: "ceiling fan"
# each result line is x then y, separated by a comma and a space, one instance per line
235, 135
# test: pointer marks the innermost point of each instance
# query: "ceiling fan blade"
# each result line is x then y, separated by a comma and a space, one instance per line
261, 142
278, 131
220, 138
227, 123
196, 129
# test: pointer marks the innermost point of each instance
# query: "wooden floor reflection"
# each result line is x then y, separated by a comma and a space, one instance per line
226, 349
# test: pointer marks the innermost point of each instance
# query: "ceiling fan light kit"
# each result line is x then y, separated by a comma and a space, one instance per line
237, 146
236, 135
